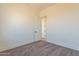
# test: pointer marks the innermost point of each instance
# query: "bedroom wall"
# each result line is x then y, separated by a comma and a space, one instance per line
18, 23
63, 24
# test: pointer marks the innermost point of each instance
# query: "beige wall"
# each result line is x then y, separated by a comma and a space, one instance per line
18, 23
63, 24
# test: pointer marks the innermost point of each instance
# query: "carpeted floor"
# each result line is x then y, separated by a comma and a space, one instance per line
40, 48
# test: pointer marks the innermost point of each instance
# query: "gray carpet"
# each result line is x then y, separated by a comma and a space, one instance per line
40, 48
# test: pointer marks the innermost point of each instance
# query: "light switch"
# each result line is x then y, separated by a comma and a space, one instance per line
35, 31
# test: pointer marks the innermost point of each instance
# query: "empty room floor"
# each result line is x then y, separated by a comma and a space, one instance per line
40, 48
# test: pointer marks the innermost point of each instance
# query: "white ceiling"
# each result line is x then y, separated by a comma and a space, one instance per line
37, 6
41, 6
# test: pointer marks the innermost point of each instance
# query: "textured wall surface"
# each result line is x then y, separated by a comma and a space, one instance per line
63, 24
18, 23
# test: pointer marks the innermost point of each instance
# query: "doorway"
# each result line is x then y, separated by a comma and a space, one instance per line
44, 28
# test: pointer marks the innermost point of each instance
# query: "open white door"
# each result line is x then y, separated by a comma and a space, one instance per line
44, 27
